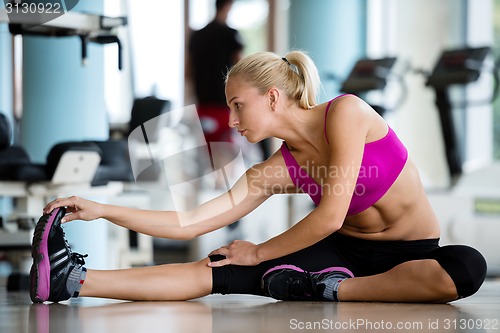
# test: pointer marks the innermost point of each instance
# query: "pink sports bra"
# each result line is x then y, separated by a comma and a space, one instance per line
381, 165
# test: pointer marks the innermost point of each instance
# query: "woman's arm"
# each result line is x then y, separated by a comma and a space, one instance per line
247, 194
347, 127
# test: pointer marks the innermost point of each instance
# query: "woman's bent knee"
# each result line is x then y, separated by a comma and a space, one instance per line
465, 265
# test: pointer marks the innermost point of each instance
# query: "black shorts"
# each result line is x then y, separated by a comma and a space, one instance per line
465, 265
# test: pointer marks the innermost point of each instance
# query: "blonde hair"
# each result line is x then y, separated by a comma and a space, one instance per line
296, 74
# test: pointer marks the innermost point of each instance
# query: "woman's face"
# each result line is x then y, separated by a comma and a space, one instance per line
249, 109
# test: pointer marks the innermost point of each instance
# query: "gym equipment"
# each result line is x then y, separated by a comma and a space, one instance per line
455, 67
85, 168
63, 23
370, 75
469, 210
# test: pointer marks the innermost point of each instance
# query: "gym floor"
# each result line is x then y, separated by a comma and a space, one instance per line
244, 313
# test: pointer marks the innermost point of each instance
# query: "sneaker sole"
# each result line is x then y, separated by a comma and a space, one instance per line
40, 270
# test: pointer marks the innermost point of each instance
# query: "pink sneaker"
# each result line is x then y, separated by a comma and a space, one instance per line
53, 261
291, 283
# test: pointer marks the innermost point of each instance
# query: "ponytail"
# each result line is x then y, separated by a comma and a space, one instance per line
296, 74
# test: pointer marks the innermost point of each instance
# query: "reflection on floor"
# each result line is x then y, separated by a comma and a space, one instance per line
243, 313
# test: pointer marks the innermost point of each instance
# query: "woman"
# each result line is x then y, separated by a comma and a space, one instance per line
372, 237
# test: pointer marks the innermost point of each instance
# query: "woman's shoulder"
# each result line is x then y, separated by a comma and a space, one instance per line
347, 116
347, 107
344, 100
345, 104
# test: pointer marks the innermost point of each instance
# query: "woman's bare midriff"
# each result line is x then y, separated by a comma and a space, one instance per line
403, 213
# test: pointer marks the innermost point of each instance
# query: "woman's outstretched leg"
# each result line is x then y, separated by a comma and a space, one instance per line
153, 283
58, 273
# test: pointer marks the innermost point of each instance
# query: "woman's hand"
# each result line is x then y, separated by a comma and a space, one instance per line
76, 208
238, 252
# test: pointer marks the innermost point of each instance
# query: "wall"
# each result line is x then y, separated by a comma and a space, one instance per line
333, 32
60, 95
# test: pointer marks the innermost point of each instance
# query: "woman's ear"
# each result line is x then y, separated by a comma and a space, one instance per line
274, 95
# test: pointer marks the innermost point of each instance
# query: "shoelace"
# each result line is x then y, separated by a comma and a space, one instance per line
75, 256
79, 258
65, 240
302, 287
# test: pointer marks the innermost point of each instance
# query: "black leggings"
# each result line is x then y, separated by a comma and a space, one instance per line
465, 265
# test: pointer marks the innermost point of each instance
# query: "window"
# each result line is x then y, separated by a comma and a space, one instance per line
249, 17
153, 55
253, 27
